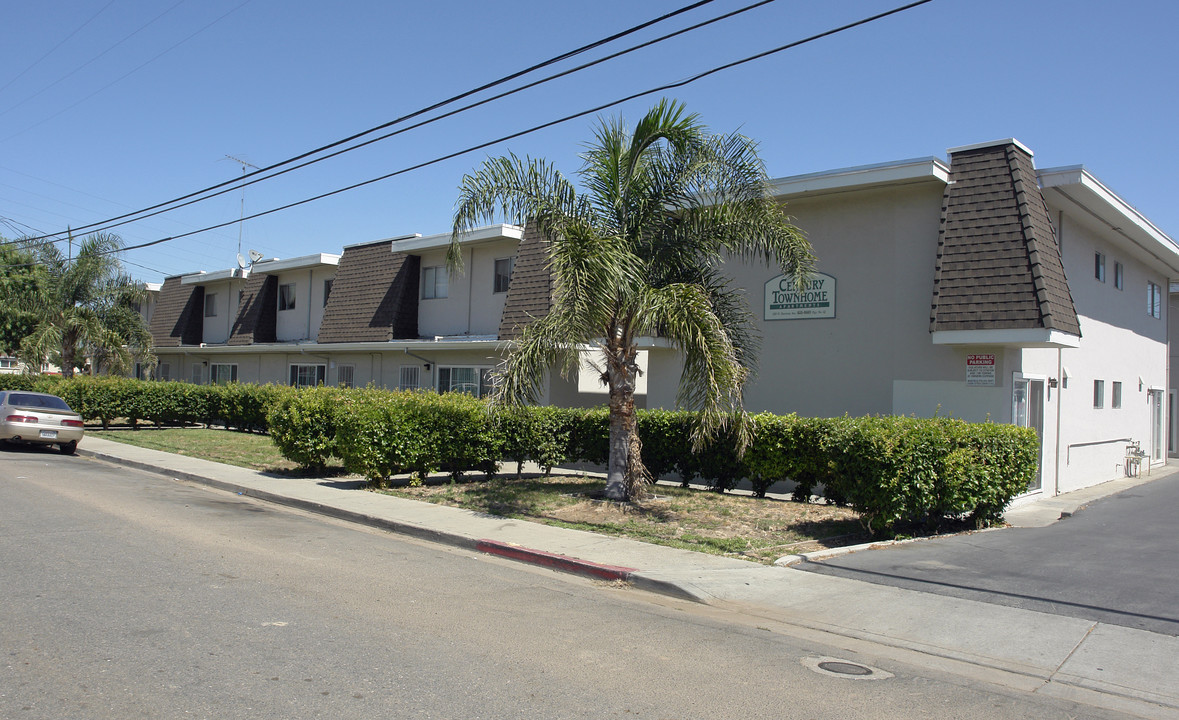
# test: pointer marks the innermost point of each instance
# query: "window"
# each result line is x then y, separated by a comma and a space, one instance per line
327, 290
197, 374
164, 371
410, 378
434, 282
286, 296
345, 376
8, 363
1098, 394
1099, 267
211, 305
1117, 395
470, 380
1154, 300
307, 375
503, 274
1118, 276
222, 373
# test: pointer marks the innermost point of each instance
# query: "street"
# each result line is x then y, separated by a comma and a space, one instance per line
128, 595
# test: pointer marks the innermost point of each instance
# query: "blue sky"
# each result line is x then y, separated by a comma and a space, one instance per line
143, 101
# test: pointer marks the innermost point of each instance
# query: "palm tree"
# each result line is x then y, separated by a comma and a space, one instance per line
638, 250
84, 306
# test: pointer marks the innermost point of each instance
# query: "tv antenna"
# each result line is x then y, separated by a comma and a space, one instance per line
241, 219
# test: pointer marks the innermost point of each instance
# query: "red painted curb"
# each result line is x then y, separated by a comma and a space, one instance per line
552, 560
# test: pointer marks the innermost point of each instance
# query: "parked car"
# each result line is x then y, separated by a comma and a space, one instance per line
41, 418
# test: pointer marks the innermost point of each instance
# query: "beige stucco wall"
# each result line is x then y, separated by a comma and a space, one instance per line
471, 306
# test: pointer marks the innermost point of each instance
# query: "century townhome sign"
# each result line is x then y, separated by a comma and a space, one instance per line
786, 300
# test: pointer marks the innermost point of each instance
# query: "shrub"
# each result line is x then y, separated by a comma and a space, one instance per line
302, 424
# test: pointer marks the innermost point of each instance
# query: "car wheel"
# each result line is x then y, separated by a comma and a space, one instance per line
69, 448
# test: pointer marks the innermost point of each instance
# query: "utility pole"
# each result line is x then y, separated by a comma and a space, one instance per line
242, 218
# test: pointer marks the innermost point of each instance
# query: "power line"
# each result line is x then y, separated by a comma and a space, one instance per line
245, 182
507, 78
551, 123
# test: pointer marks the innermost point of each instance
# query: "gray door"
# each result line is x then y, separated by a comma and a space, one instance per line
1027, 410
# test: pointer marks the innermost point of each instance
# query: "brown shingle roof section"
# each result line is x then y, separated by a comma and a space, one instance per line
530, 294
179, 316
374, 296
998, 262
257, 313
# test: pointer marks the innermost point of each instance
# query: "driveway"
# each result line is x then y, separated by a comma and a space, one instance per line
1115, 561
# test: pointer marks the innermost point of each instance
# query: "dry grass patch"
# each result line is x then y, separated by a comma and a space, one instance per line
737, 525
248, 450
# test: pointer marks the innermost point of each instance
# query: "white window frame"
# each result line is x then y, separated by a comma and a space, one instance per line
346, 376
1099, 266
296, 374
196, 374
482, 381
210, 304
1119, 276
1098, 394
216, 369
435, 282
286, 298
409, 377
497, 275
1115, 400
9, 363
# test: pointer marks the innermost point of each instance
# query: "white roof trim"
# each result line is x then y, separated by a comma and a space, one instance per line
298, 263
206, 277
898, 172
1079, 186
484, 343
1025, 337
992, 143
488, 233
385, 240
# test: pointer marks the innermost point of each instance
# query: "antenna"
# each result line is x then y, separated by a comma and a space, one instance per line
241, 261
255, 256
242, 218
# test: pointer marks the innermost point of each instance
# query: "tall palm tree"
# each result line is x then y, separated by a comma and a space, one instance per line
83, 306
638, 250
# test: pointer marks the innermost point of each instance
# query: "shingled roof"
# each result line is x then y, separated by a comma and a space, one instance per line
374, 296
530, 293
179, 315
998, 261
257, 312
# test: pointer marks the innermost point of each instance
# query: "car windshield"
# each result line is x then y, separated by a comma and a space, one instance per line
42, 401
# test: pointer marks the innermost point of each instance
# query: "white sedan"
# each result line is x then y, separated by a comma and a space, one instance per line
33, 417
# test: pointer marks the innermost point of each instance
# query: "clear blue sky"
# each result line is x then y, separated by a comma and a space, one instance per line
143, 101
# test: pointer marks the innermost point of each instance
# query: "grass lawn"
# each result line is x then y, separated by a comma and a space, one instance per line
730, 524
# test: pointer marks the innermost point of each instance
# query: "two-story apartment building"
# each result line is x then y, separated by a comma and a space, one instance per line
979, 288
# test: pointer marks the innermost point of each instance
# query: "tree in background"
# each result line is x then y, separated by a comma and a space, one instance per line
19, 274
638, 250
82, 307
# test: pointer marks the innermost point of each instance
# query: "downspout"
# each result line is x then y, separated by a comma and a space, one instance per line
310, 291
1059, 402
470, 289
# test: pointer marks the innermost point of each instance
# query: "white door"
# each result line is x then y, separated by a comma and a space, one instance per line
1157, 442
1027, 410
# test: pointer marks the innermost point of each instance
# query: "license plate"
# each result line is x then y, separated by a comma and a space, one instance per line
51, 434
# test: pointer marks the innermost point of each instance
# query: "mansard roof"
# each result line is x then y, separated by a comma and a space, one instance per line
374, 296
179, 315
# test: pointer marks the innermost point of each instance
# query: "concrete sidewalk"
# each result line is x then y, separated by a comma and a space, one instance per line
1093, 663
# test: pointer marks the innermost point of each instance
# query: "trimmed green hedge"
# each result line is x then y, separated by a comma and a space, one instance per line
892, 470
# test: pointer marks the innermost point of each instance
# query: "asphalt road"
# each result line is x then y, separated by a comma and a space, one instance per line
1115, 561
125, 595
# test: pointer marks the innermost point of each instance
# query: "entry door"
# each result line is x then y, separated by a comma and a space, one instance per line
1157, 446
1027, 410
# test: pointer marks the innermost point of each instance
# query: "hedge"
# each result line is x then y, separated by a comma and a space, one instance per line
893, 470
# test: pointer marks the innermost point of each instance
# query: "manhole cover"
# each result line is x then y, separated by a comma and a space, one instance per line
845, 668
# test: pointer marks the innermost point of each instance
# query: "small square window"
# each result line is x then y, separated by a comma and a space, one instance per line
434, 282
211, 305
1099, 267
345, 376
1117, 395
1098, 394
410, 378
1118, 276
222, 373
286, 296
503, 274
307, 375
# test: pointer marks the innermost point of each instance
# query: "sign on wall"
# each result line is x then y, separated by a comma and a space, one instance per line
786, 300
980, 369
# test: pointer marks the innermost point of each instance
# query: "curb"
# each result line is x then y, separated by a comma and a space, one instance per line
519, 553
